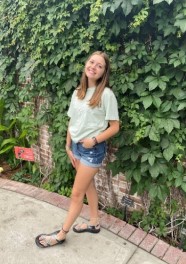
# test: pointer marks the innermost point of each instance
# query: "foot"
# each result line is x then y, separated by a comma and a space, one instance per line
80, 228
49, 240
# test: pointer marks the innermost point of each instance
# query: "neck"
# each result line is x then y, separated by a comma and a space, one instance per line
91, 83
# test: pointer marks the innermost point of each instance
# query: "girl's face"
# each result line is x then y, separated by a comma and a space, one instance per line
94, 68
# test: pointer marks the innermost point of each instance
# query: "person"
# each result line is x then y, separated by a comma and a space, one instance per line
94, 118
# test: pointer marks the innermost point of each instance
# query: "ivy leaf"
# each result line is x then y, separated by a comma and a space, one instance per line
115, 28
181, 23
183, 186
156, 101
153, 134
168, 125
164, 143
149, 79
176, 123
144, 167
126, 6
153, 84
168, 152
147, 101
181, 106
153, 191
159, 1
134, 156
151, 159
137, 175
179, 93
178, 182
165, 107
179, 76
105, 6
136, 2
154, 171
144, 157
162, 85
162, 192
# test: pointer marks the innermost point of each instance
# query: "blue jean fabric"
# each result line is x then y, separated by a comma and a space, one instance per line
91, 157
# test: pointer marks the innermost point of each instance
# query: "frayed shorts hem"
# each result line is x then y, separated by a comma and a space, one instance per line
86, 163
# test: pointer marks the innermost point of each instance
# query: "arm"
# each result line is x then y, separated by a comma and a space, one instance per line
68, 140
68, 149
108, 133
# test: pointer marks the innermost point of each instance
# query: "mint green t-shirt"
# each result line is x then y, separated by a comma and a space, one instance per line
87, 122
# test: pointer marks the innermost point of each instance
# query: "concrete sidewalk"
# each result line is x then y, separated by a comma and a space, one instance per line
23, 217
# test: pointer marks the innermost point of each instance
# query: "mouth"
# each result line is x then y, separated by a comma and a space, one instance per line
91, 71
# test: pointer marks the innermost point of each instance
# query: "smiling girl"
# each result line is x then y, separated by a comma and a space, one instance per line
93, 114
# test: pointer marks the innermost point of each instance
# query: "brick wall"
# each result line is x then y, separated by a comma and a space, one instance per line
42, 151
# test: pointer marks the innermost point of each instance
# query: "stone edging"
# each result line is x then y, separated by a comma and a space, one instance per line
138, 237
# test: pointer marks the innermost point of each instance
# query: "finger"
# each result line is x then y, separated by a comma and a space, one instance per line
73, 161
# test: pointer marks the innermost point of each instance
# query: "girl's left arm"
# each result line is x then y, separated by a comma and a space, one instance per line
109, 132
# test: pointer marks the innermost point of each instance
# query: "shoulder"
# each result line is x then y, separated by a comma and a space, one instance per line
75, 92
107, 92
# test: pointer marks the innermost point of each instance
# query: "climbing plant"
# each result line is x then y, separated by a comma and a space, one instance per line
48, 42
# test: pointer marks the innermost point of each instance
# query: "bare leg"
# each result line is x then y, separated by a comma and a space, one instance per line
84, 177
92, 198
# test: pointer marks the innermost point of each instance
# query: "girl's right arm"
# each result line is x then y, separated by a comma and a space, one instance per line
68, 149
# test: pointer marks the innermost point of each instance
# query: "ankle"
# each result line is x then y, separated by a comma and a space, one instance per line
62, 233
94, 221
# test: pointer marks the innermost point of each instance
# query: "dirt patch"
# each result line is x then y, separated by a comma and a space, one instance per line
8, 172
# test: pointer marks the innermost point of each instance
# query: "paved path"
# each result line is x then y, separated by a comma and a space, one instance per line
22, 217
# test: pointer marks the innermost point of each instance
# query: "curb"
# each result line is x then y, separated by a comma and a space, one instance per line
138, 237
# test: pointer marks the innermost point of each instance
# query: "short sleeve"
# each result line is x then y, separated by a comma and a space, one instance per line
70, 110
110, 105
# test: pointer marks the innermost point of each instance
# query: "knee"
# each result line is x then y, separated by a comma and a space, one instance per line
77, 196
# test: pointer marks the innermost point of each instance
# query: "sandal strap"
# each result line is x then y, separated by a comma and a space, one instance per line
49, 240
94, 218
64, 231
93, 227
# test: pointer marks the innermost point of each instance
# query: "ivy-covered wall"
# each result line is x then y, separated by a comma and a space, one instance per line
48, 42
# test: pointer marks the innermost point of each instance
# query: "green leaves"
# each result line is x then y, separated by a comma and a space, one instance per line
151, 99
178, 58
159, 1
169, 152
158, 191
157, 81
126, 6
181, 19
147, 101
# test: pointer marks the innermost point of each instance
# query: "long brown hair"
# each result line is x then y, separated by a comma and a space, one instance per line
101, 83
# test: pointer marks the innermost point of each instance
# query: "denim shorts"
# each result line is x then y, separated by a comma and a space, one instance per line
91, 157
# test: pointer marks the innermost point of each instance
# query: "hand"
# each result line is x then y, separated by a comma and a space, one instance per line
71, 157
87, 142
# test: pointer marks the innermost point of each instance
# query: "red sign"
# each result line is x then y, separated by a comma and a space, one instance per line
24, 153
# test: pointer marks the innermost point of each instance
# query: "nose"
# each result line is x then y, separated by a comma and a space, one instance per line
93, 66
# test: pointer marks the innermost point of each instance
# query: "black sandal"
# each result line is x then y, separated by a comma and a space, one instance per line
90, 228
53, 236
